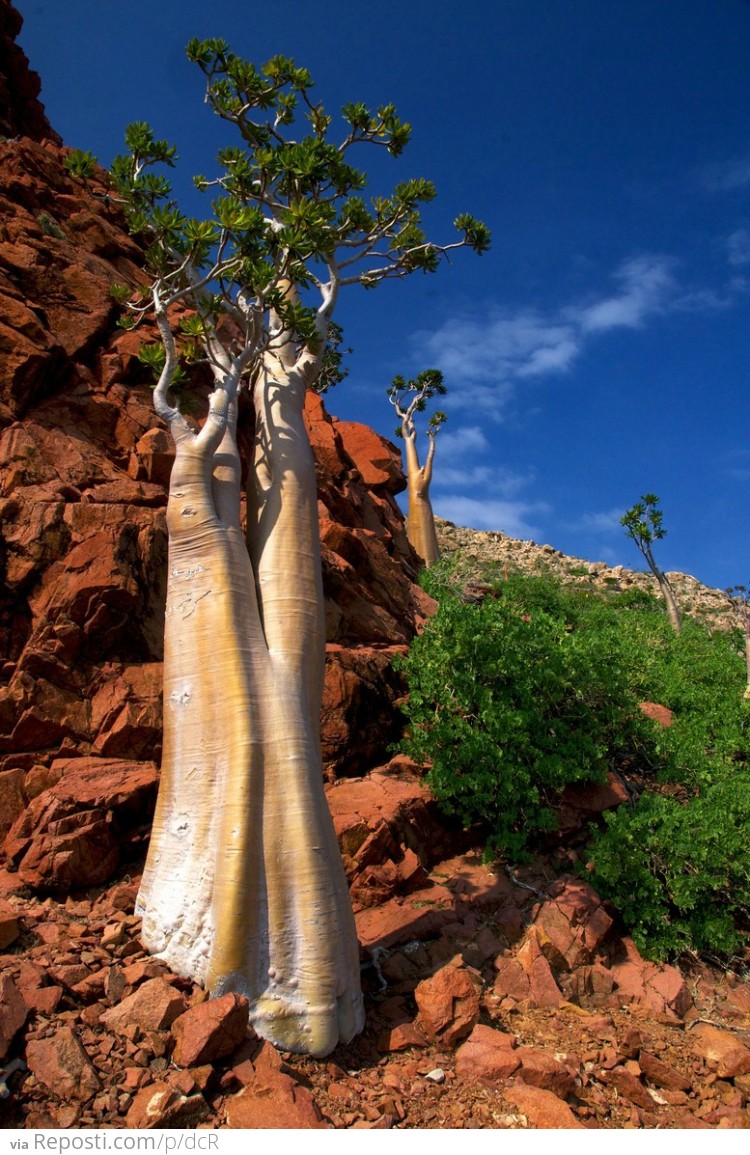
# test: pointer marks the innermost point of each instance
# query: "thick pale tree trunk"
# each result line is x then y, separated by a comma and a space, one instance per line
244, 888
673, 612
420, 522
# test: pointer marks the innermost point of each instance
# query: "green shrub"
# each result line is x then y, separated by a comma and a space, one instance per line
680, 872
515, 698
537, 686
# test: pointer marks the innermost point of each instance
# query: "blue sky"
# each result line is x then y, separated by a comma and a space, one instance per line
601, 350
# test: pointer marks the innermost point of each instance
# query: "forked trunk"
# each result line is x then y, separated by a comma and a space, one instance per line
244, 889
420, 522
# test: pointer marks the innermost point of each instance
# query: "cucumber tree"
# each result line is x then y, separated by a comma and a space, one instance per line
409, 398
243, 888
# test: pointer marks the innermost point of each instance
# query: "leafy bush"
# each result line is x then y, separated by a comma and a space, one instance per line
680, 873
516, 697
537, 686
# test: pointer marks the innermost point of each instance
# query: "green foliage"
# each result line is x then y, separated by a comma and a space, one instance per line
644, 521
50, 227
288, 223
515, 697
680, 873
410, 397
537, 686
80, 164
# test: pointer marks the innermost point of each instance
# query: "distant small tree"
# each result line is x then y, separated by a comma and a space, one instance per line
643, 524
739, 596
408, 398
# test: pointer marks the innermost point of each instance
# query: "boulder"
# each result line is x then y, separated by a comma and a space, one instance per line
74, 833
543, 1109
210, 1030
571, 924
154, 1006
13, 1012
62, 1065
487, 1056
272, 1099
448, 1004
161, 1105
528, 977
721, 1050
9, 929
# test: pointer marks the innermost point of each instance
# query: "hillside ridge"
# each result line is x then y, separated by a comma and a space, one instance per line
476, 552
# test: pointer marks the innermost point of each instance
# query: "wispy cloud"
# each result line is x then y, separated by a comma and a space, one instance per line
738, 247
455, 443
485, 355
486, 479
511, 517
726, 175
646, 286
606, 522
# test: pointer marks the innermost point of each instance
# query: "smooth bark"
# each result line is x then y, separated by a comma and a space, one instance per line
420, 522
244, 889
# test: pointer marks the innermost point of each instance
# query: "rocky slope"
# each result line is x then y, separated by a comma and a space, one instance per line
480, 554
495, 999
504, 998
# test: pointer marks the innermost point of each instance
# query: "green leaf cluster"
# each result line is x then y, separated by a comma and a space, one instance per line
514, 698
286, 209
680, 872
537, 685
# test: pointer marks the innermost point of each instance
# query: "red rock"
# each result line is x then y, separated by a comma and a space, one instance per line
419, 916
659, 714
9, 929
543, 1109
210, 1030
540, 1069
13, 1013
659, 988
21, 114
582, 801
273, 1099
71, 834
722, 1051
663, 1074
154, 1006
571, 924
528, 976
161, 1105
62, 1065
448, 1004
668, 985
591, 985
13, 798
628, 1086
401, 1037
359, 716
487, 1056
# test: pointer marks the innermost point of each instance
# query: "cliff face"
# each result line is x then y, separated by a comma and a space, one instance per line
21, 114
84, 465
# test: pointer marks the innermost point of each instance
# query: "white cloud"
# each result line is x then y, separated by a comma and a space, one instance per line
455, 443
738, 247
605, 522
488, 479
727, 175
646, 284
511, 517
485, 357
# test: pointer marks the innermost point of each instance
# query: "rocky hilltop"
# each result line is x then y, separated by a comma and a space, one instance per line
480, 553
495, 997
